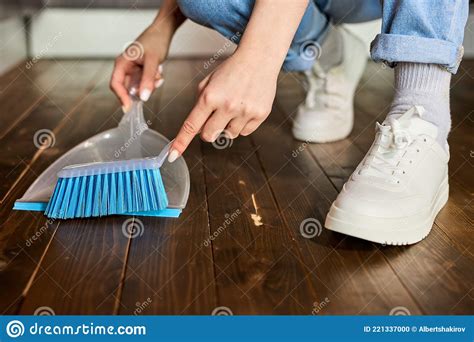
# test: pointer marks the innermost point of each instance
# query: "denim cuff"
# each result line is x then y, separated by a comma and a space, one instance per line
393, 48
297, 63
303, 55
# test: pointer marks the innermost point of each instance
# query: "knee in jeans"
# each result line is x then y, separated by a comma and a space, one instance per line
228, 14
200, 12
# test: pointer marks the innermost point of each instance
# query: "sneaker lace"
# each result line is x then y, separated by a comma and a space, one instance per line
385, 158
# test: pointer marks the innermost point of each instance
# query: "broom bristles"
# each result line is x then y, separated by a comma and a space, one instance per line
112, 193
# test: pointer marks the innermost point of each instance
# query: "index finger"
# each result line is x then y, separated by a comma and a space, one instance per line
191, 126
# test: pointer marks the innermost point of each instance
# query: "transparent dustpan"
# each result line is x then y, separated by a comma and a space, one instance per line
129, 140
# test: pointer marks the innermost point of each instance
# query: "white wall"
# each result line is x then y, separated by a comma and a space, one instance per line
104, 33
12, 42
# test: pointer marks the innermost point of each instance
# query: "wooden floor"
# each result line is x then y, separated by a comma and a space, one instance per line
91, 267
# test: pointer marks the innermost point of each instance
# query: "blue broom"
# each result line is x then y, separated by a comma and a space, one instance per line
109, 188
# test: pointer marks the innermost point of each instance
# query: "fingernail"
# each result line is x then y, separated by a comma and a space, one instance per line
159, 83
133, 91
125, 109
174, 154
145, 95
160, 68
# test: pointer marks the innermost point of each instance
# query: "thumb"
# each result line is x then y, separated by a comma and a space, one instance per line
147, 83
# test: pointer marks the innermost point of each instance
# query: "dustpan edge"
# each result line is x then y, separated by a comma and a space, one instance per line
41, 206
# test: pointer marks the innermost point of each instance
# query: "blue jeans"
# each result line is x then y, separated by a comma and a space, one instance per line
412, 30
422, 31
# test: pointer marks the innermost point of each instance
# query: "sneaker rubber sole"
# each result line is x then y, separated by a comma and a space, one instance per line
388, 231
319, 136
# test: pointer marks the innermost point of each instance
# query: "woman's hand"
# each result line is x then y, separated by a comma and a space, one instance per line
235, 99
137, 70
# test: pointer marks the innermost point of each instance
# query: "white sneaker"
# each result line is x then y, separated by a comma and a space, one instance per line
399, 187
328, 111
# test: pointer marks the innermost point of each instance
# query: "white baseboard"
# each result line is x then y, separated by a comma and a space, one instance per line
12, 42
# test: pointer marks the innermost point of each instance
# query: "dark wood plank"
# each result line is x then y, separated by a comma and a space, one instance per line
50, 114
91, 267
336, 265
81, 269
436, 273
28, 238
258, 270
91, 245
22, 89
458, 216
25, 235
11, 75
169, 271
69, 134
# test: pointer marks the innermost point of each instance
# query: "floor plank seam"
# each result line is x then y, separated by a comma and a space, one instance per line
38, 153
37, 268
123, 277
214, 270
279, 209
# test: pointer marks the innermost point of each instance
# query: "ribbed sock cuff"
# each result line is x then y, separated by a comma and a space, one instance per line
426, 85
418, 77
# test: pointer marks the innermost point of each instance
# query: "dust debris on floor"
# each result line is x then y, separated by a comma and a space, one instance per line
257, 219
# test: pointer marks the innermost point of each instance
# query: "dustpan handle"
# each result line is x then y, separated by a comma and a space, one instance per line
133, 124
164, 153
134, 118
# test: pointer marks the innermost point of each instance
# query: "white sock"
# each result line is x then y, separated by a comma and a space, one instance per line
332, 49
426, 85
